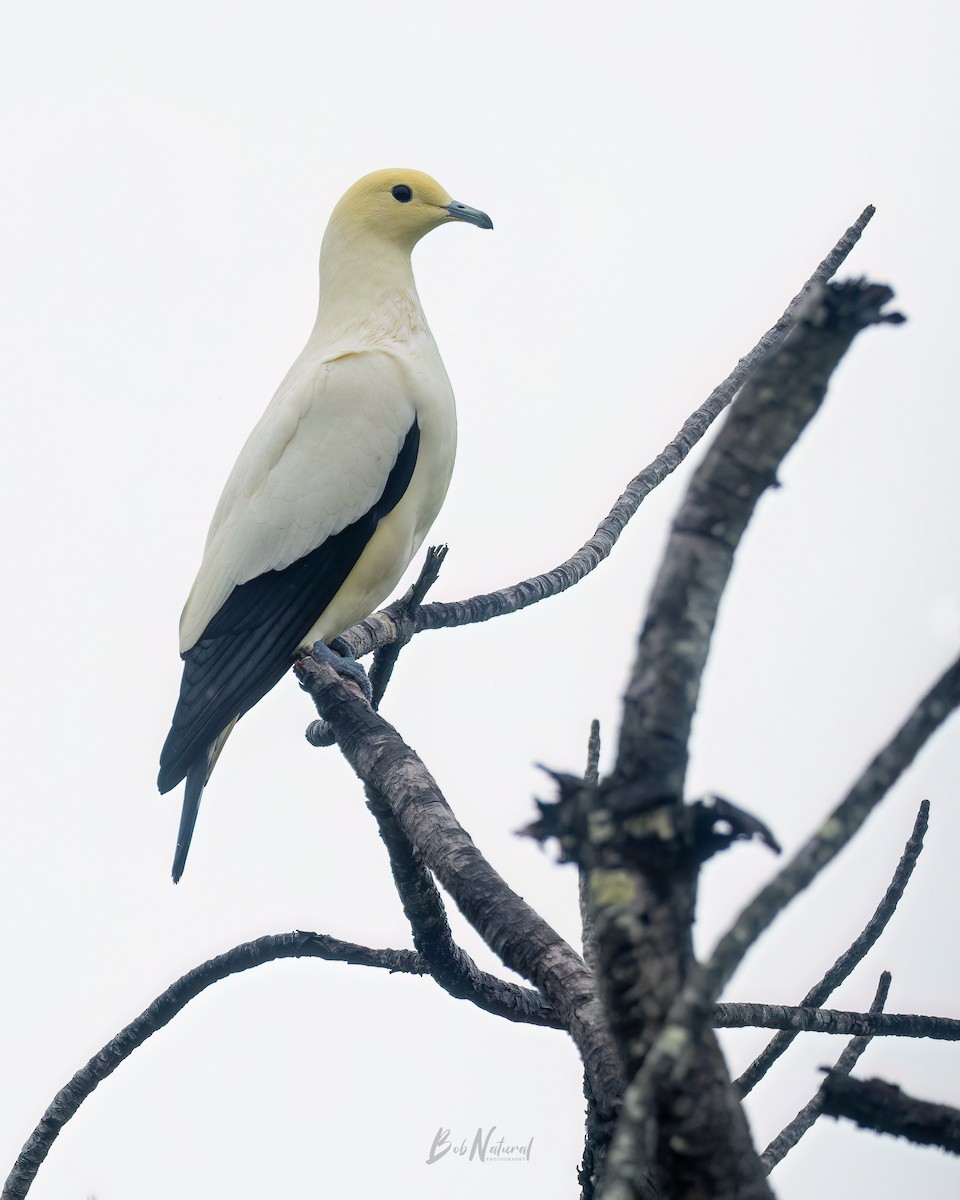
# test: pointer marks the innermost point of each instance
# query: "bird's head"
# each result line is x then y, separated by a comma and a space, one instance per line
400, 206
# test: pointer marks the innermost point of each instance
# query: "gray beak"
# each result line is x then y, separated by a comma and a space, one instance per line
473, 216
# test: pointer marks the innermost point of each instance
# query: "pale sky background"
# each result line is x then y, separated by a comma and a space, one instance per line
662, 178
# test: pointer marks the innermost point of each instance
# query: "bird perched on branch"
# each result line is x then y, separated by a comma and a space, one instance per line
336, 487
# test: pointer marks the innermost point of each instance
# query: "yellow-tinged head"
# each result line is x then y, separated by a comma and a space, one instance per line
400, 206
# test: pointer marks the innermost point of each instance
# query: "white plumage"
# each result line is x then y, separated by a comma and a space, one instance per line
336, 487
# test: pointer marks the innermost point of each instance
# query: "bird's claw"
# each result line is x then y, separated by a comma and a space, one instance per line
339, 655
320, 733
341, 646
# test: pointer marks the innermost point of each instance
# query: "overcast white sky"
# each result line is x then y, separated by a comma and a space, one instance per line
662, 177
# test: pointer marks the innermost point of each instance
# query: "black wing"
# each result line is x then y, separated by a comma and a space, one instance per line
251, 641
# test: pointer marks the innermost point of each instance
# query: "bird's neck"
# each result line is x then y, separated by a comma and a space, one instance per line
366, 285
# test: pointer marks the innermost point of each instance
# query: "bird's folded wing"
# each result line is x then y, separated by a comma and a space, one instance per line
316, 462
313, 481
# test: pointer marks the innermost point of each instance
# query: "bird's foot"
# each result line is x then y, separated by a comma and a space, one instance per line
339, 655
341, 646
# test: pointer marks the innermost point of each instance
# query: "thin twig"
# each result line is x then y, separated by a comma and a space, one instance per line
386, 656
788, 1137
386, 626
598, 1132
166, 1006
835, 1021
591, 777
836, 832
845, 964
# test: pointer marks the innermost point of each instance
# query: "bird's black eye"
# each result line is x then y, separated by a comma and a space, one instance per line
402, 193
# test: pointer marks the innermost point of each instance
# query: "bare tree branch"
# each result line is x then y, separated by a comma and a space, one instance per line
449, 965
778, 402
845, 964
396, 621
875, 1104
646, 862
166, 1006
518, 935
834, 1021
788, 1137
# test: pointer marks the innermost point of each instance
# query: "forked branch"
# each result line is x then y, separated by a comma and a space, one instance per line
845, 964
806, 1118
511, 928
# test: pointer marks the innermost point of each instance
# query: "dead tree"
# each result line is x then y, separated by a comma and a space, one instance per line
664, 1118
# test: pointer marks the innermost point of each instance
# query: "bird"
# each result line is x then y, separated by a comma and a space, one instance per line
336, 487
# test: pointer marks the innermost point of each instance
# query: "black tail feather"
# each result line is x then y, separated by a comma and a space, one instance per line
196, 781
